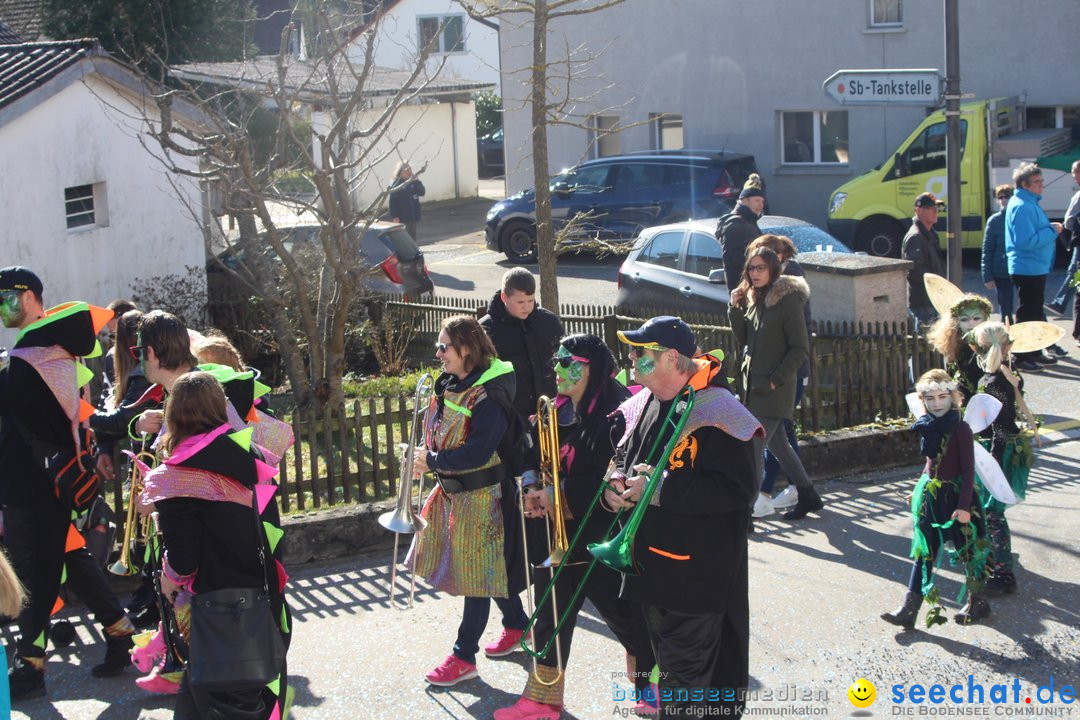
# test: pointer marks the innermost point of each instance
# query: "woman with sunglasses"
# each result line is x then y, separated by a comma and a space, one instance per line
587, 395
472, 544
766, 314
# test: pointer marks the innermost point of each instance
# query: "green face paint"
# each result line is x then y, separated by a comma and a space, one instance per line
11, 309
968, 319
644, 365
570, 375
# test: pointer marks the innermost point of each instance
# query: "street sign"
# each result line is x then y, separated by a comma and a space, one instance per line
885, 87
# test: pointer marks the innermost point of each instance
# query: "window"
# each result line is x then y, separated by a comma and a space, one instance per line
85, 206
886, 13
926, 153
604, 135
638, 176
703, 255
818, 137
667, 131
664, 250
448, 29
591, 179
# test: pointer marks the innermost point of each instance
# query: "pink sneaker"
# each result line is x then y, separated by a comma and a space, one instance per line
160, 683
526, 709
508, 642
452, 671
649, 703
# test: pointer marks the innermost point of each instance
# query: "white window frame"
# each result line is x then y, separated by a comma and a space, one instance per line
99, 207
661, 123
443, 20
604, 135
873, 23
816, 125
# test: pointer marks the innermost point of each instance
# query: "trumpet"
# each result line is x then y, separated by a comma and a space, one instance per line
136, 529
618, 552
403, 519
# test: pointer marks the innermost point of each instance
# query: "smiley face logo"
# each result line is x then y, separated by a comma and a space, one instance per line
862, 693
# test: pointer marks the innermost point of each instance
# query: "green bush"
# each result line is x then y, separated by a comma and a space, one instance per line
383, 385
488, 112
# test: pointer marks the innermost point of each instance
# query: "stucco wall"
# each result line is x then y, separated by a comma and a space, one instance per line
730, 67
87, 133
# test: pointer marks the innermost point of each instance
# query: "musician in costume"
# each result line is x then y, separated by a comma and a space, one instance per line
944, 506
470, 547
42, 409
1009, 445
203, 495
691, 547
947, 336
588, 394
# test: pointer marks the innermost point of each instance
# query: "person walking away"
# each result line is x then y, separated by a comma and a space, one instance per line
405, 193
736, 230
1067, 291
995, 268
923, 248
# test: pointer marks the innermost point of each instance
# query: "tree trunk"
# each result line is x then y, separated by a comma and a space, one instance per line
545, 237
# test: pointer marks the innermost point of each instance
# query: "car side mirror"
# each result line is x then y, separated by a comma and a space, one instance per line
717, 276
562, 190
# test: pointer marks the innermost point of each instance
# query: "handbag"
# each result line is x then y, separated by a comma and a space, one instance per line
72, 470
235, 641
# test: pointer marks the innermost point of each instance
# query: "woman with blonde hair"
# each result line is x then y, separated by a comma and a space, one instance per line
11, 590
947, 335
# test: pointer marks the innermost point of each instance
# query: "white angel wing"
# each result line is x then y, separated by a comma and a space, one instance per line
991, 476
981, 411
915, 404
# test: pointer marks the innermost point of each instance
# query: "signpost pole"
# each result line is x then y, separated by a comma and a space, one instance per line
952, 141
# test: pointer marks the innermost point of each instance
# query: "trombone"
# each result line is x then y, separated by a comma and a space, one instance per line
403, 519
617, 553
134, 534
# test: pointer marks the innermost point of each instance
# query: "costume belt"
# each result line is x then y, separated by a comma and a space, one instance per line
475, 480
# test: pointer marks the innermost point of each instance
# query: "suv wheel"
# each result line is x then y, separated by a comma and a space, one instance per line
519, 241
880, 237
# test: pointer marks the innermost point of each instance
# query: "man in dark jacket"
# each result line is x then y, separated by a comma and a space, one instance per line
405, 193
690, 549
526, 336
39, 411
923, 248
736, 230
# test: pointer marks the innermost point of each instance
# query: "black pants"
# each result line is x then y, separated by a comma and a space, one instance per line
87, 580
35, 541
195, 704
704, 662
1031, 290
625, 618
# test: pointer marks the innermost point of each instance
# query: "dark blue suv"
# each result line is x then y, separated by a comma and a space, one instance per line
620, 195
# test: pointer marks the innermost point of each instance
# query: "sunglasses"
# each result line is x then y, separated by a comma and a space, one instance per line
639, 350
137, 351
567, 360
442, 347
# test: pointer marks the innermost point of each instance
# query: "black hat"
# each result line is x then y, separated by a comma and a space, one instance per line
752, 187
927, 200
663, 332
19, 278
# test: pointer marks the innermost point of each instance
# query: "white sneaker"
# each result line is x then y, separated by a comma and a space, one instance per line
787, 498
763, 506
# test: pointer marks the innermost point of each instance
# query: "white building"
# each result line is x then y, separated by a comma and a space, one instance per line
747, 77
85, 203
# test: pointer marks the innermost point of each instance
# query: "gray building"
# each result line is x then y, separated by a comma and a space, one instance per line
747, 77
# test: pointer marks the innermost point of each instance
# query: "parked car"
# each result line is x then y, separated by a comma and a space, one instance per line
621, 195
679, 267
395, 263
489, 154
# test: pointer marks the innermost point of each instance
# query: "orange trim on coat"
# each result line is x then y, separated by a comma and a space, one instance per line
666, 554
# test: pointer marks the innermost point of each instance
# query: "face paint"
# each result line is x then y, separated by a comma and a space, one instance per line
937, 402
968, 319
567, 377
644, 365
11, 311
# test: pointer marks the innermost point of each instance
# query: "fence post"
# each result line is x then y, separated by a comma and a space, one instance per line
328, 446
313, 449
298, 457
374, 429
343, 441
361, 492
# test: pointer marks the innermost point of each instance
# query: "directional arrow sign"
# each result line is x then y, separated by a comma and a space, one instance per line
885, 87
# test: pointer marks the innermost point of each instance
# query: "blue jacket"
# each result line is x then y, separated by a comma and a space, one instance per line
1029, 237
994, 264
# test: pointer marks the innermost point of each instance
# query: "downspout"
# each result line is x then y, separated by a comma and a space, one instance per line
454, 142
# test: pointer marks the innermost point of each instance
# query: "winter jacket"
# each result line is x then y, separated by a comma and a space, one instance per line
1029, 237
528, 345
112, 425
735, 231
774, 340
405, 200
794, 268
994, 264
923, 248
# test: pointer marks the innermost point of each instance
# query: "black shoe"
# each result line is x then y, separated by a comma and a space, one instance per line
117, 657
1046, 358
1057, 350
1003, 583
809, 501
974, 610
1027, 366
24, 681
906, 614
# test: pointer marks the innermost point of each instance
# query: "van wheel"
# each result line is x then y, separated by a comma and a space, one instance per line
519, 242
880, 237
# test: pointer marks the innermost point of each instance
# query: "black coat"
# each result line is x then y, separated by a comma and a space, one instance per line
922, 248
735, 231
405, 200
528, 345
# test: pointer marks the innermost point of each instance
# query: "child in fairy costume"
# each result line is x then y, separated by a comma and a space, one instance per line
947, 337
944, 505
1009, 445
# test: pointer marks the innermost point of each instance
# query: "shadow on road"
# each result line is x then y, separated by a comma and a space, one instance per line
449, 282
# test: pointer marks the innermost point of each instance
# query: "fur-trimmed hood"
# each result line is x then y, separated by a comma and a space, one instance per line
782, 287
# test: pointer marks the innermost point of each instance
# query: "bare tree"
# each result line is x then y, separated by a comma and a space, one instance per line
331, 126
546, 108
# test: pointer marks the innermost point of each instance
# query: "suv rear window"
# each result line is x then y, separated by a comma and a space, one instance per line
739, 170
401, 244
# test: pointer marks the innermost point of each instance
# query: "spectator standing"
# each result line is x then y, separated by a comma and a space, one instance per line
405, 193
1030, 238
995, 268
736, 230
923, 248
1067, 291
